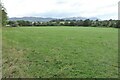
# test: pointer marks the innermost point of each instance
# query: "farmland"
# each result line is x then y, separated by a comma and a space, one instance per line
62, 52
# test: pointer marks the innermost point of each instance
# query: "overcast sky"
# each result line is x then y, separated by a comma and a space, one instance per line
103, 9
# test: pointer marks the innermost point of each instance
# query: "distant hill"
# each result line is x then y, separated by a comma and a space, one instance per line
75, 18
41, 19
94, 18
80, 18
32, 19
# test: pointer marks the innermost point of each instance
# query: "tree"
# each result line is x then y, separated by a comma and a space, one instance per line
25, 23
72, 23
12, 23
118, 24
79, 23
3, 15
87, 22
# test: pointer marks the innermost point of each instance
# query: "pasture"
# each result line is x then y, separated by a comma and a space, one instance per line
60, 52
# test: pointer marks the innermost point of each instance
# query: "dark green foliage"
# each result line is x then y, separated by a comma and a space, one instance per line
87, 22
24, 23
60, 22
4, 18
79, 23
3, 14
118, 24
13, 23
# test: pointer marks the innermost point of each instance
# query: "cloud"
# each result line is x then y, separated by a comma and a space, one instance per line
104, 9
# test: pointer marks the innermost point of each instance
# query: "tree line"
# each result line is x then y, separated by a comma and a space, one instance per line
61, 22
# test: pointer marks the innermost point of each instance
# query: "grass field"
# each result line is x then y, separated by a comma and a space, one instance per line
63, 52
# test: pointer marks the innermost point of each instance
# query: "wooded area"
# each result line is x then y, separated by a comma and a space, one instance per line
61, 22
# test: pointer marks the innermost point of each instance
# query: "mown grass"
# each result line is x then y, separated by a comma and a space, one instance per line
63, 52
0, 52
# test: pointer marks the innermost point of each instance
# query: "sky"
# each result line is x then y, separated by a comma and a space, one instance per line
103, 9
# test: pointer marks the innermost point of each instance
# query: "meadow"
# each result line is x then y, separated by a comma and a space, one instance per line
60, 52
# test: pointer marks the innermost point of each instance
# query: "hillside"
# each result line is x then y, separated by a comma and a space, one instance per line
41, 19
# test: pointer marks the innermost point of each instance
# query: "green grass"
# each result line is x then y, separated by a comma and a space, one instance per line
63, 52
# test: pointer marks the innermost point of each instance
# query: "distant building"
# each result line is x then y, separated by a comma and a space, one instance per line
62, 22
7, 25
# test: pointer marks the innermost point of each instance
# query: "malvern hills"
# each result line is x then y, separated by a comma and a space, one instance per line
41, 19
